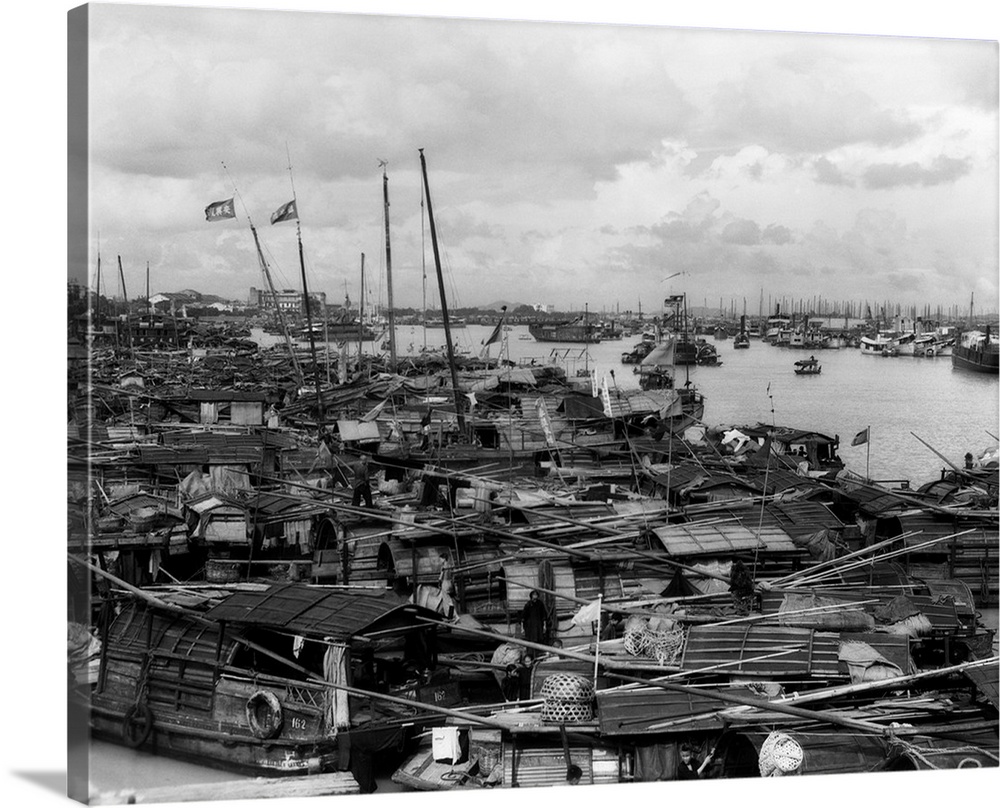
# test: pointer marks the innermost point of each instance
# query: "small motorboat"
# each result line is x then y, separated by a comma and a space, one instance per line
808, 367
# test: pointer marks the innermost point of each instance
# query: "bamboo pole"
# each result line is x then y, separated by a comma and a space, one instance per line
810, 571
754, 618
810, 580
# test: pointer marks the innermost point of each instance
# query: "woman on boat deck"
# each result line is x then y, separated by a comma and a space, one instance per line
535, 619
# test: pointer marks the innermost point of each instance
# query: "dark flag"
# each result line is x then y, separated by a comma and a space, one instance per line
220, 210
285, 213
496, 331
861, 437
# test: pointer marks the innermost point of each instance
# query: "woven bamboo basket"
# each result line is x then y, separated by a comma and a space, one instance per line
569, 699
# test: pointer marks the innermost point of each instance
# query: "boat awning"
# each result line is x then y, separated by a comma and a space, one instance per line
358, 430
797, 518
824, 751
492, 379
640, 711
310, 611
714, 539
754, 650
582, 408
644, 402
985, 679
660, 355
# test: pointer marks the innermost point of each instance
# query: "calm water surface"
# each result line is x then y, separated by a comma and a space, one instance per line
952, 410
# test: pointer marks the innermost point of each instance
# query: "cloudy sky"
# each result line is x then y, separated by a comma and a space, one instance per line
568, 163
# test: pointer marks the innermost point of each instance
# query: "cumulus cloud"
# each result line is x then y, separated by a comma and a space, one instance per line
827, 173
560, 157
942, 170
742, 232
789, 109
777, 234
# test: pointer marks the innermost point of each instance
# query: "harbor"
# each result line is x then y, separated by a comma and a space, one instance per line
634, 512
458, 406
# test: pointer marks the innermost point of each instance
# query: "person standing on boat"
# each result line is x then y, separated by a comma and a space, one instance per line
535, 619
425, 430
362, 484
272, 418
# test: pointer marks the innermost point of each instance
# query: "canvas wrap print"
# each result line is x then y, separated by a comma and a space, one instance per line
466, 405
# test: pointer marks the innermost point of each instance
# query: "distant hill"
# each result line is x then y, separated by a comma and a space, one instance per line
499, 305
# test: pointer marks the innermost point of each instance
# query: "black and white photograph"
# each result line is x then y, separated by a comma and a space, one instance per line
464, 400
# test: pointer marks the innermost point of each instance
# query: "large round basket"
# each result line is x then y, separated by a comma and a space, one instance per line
568, 687
569, 699
567, 712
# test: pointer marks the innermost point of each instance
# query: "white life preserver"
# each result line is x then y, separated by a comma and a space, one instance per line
264, 714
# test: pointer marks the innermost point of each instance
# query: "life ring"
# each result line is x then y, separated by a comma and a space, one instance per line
137, 725
264, 714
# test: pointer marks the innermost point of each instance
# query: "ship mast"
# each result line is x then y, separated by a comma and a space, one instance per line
321, 408
277, 308
388, 268
361, 315
444, 305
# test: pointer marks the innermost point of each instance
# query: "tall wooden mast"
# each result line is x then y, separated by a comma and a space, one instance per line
388, 269
321, 408
444, 304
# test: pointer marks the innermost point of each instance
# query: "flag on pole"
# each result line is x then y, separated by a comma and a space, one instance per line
285, 213
861, 437
495, 335
606, 397
223, 209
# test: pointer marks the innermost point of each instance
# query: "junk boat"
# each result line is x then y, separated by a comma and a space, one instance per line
574, 331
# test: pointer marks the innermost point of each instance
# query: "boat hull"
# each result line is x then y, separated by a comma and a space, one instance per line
975, 360
565, 332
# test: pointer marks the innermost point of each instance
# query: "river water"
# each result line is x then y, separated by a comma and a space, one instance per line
954, 411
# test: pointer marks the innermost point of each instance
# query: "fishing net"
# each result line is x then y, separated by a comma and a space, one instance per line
663, 646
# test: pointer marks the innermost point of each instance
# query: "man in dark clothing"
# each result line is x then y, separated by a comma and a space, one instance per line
362, 485
534, 619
